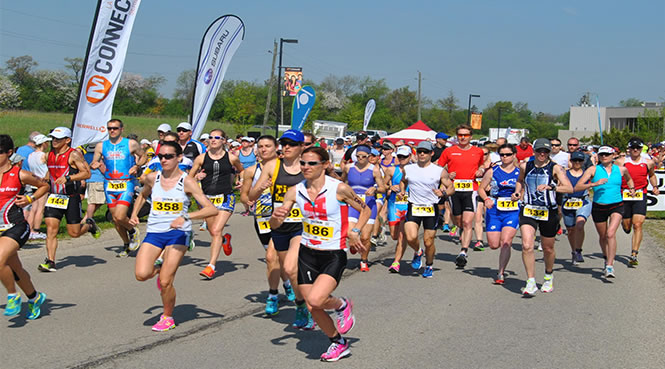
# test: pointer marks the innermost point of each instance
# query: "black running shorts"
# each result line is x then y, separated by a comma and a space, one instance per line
463, 201
72, 213
19, 232
312, 263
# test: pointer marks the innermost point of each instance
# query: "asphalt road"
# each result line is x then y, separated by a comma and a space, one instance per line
98, 315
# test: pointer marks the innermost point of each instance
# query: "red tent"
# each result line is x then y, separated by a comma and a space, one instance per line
417, 132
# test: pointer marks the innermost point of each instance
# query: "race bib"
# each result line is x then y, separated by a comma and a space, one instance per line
362, 197
639, 195
4, 227
57, 201
319, 230
463, 185
506, 204
337, 167
401, 200
264, 225
216, 200
167, 206
422, 210
536, 212
573, 203
295, 215
116, 186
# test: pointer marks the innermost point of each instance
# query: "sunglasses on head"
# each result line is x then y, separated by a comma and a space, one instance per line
182, 130
309, 163
503, 155
112, 128
166, 156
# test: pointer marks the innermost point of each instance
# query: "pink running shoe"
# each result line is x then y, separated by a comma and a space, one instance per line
345, 318
336, 351
164, 324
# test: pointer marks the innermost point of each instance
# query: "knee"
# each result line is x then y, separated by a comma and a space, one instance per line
610, 235
494, 246
165, 283
637, 226
467, 224
141, 275
316, 302
527, 248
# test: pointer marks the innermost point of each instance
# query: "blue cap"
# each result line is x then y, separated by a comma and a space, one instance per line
442, 136
364, 148
293, 135
375, 152
577, 155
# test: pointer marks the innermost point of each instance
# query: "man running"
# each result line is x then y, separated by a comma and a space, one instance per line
66, 169
464, 163
191, 148
324, 202
118, 154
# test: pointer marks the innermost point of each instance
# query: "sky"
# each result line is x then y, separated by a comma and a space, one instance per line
547, 53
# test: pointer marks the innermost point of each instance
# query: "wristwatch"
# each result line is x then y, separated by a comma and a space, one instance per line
68, 178
355, 230
185, 216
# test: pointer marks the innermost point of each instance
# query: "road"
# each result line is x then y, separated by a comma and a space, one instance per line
98, 315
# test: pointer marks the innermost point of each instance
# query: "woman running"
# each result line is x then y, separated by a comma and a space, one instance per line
325, 203
607, 202
480, 207
576, 208
169, 225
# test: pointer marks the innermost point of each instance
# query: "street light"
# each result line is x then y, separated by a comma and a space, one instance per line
279, 83
498, 132
468, 115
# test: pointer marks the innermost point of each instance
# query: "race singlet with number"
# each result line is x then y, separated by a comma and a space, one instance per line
536, 212
464, 185
264, 225
167, 206
57, 201
422, 210
295, 215
639, 195
401, 200
319, 230
573, 203
116, 186
506, 204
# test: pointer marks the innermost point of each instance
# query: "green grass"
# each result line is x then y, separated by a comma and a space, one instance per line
18, 124
655, 214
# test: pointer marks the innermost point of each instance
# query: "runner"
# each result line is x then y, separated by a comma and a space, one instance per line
191, 148
464, 163
247, 158
502, 215
366, 181
607, 202
325, 203
66, 169
378, 231
15, 230
540, 179
642, 172
267, 151
215, 171
576, 208
169, 226
279, 176
119, 180
427, 182
479, 215
337, 155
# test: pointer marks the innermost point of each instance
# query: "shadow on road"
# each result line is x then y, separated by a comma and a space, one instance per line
20, 320
181, 314
80, 261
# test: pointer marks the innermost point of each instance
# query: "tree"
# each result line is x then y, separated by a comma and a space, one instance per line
21, 67
184, 89
450, 102
76, 66
10, 97
631, 102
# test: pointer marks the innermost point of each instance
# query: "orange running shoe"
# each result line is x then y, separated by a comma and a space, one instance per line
364, 267
226, 244
208, 272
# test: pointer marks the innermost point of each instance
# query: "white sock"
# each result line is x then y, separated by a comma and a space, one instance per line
212, 266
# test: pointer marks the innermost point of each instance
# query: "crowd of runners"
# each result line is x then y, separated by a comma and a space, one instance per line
312, 202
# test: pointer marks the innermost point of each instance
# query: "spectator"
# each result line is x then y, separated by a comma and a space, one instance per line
94, 186
524, 150
441, 141
27, 149
37, 163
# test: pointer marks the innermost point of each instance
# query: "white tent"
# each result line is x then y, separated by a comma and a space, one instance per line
417, 132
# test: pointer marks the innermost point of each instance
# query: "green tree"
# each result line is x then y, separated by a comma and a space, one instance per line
20, 68
631, 102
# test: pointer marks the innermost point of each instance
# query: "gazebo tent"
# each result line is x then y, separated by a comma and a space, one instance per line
417, 132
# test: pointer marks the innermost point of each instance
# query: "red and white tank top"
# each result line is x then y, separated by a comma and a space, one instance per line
9, 188
58, 166
325, 219
639, 172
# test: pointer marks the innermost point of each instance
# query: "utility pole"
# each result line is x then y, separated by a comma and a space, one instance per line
419, 95
279, 83
270, 83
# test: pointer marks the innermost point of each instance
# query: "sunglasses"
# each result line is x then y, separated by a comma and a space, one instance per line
307, 143
604, 154
182, 130
215, 137
290, 143
573, 145
361, 156
166, 156
543, 152
557, 145
503, 155
309, 163
423, 151
463, 135
402, 157
577, 160
112, 128
636, 148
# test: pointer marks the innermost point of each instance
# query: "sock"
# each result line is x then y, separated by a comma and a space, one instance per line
531, 280
464, 250
212, 266
429, 265
126, 246
300, 302
578, 250
341, 308
336, 339
549, 273
32, 296
272, 293
287, 284
11, 295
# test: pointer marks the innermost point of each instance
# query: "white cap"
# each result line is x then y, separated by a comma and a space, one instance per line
204, 136
40, 139
164, 127
404, 151
230, 140
144, 141
61, 132
155, 142
245, 138
606, 150
185, 125
235, 144
251, 139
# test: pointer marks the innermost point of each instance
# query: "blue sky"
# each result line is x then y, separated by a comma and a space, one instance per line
543, 52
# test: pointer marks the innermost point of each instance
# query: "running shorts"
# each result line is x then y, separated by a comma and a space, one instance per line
72, 213
463, 201
114, 198
631, 208
548, 228
282, 241
264, 237
428, 222
601, 212
227, 203
380, 198
171, 238
18, 232
496, 220
396, 212
570, 216
312, 263
353, 213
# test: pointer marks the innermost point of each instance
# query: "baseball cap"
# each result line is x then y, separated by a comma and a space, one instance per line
361, 135
245, 138
425, 145
442, 136
164, 127
16, 158
605, 150
339, 140
387, 145
635, 142
40, 139
235, 143
374, 152
404, 150
251, 139
411, 143
61, 132
185, 125
577, 155
293, 135
144, 141
204, 136
542, 143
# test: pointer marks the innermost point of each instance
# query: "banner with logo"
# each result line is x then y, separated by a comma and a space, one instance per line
219, 44
657, 203
369, 110
302, 106
102, 69
476, 120
292, 81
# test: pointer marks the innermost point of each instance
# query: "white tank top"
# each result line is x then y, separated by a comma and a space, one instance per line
422, 182
168, 205
37, 166
325, 220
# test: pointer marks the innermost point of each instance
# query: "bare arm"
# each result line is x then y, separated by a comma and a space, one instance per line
487, 178
32, 180
346, 194
519, 186
584, 184
95, 163
564, 185
280, 213
196, 166
247, 185
264, 182
629, 180
652, 177
141, 198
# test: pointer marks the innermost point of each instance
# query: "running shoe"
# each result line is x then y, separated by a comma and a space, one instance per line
345, 318
310, 324
373, 241
303, 318
94, 230
540, 247
453, 231
124, 253
382, 237
530, 288
34, 308
578, 256
272, 306
479, 246
460, 260
164, 324
336, 351
609, 271
427, 273
134, 239
13, 305
208, 272
226, 244
499, 279
290, 294
37, 236
394, 267
445, 228
559, 232
47, 266
158, 263
192, 244
417, 261
548, 284
364, 267
633, 260
204, 226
